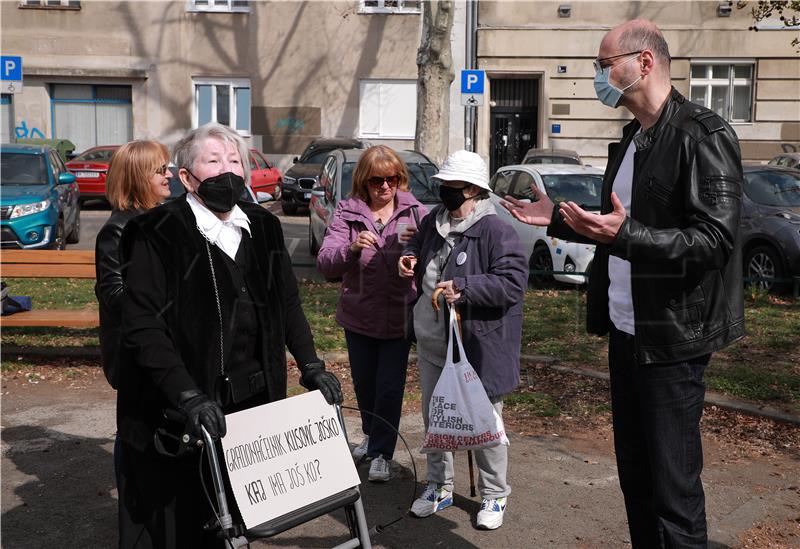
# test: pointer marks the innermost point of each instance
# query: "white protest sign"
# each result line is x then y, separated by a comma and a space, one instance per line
285, 455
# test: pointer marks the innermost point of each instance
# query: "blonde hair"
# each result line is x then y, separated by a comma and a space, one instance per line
378, 158
128, 181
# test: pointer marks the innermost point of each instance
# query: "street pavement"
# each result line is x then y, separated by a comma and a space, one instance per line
58, 488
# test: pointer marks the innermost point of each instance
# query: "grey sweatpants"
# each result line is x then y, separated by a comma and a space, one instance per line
492, 463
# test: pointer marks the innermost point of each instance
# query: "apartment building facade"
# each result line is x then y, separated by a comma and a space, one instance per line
282, 73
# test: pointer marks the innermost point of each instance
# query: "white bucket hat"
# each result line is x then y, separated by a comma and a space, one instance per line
465, 166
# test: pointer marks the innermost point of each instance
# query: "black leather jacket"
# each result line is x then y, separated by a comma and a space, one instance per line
109, 288
681, 236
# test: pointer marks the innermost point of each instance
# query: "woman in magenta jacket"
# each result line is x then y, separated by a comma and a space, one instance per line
362, 245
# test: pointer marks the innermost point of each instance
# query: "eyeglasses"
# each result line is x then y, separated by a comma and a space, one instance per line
378, 181
597, 63
162, 170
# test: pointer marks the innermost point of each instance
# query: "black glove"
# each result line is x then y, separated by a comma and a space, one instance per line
314, 376
201, 410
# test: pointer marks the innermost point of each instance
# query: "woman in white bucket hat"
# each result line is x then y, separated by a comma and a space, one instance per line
464, 248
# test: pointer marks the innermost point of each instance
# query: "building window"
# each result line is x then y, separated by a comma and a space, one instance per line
389, 6
725, 88
227, 6
223, 101
90, 115
52, 4
388, 108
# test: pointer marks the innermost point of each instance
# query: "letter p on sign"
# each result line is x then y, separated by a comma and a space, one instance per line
12, 67
472, 82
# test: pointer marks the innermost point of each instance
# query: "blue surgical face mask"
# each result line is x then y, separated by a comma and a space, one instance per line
608, 93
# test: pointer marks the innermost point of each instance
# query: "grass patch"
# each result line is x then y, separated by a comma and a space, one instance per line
764, 366
55, 293
539, 404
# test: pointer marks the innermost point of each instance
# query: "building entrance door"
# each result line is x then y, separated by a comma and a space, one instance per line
514, 120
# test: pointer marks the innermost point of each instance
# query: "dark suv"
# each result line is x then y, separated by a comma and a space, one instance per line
296, 193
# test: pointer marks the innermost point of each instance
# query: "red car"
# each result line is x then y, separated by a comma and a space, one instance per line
90, 168
264, 177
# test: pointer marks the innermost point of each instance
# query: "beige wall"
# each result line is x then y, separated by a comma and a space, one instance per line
298, 55
529, 39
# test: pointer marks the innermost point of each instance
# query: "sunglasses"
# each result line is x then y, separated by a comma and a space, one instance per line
378, 181
598, 63
162, 170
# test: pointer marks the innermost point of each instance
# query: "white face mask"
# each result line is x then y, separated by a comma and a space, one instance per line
608, 93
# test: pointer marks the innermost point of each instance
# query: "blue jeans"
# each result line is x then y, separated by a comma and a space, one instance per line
379, 368
656, 413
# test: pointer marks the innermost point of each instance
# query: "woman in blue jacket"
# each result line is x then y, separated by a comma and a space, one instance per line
476, 258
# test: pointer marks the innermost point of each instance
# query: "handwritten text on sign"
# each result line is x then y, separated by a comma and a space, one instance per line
286, 455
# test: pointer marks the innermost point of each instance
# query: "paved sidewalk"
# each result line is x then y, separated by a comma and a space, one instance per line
58, 490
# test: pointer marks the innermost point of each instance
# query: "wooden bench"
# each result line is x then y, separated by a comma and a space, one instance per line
49, 264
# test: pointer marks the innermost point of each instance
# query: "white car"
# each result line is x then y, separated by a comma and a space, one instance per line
579, 184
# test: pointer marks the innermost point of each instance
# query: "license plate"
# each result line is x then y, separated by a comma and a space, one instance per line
307, 196
87, 175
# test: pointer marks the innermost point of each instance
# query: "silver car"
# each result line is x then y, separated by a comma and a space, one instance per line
579, 184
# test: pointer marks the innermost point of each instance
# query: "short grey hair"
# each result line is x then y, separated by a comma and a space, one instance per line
187, 149
646, 37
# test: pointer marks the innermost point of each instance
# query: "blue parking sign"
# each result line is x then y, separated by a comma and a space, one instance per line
472, 82
10, 67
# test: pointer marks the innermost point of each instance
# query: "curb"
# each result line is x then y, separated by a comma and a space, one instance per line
713, 398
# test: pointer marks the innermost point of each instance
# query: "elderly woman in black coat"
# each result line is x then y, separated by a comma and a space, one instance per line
212, 303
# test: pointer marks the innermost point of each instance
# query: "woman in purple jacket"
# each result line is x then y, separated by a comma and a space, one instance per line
362, 245
464, 248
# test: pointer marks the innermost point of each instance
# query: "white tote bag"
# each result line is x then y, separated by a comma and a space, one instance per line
460, 416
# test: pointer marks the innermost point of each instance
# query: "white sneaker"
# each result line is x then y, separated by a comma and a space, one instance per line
432, 500
360, 451
379, 470
490, 517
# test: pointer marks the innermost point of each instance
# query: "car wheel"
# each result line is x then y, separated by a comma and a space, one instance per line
540, 262
288, 209
313, 245
59, 241
75, 235
763, 263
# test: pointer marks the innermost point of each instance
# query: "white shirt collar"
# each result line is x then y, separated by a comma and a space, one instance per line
213, 227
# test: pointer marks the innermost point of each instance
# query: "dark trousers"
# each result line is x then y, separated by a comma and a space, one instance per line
379, 367
656, 412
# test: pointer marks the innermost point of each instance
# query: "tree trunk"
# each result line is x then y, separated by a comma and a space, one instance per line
435, 63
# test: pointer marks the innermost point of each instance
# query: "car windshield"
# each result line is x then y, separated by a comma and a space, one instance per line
22, 169
97, 155
347, 178
583, 189
315, 157
424, 189
773, 188
552, 160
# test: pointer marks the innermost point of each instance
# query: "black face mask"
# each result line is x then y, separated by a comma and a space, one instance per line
220, 192
452, 198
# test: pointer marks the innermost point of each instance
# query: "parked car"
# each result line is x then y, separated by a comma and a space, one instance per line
296, 193
580, 184
39, 205
552, 156
336, 182
787, 160
771, 224
90, 169
264, 177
